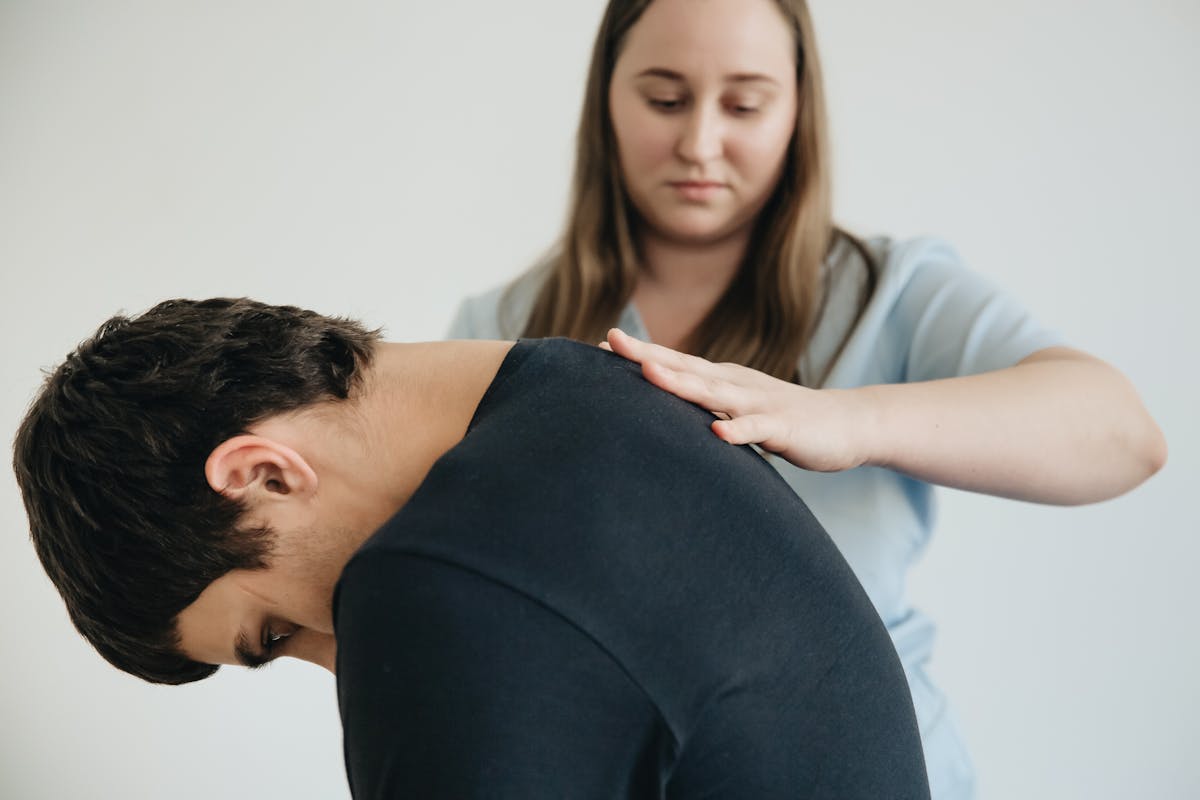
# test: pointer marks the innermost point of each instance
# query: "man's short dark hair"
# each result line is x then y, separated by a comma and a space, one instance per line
110, 460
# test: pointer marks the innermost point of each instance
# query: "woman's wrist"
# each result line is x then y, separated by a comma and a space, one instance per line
868, 430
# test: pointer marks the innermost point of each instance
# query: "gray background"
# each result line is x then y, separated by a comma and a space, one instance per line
383, 159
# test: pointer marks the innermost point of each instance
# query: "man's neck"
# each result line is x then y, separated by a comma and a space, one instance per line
418, 401
373, 451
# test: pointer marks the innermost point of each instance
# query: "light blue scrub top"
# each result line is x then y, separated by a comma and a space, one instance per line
929, 318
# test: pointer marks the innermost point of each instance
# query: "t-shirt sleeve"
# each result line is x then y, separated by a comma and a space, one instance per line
956, 321
453, 685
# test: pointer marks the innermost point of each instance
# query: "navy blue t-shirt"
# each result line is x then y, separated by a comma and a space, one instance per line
592, 596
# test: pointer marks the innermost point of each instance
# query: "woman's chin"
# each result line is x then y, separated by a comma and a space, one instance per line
695, 230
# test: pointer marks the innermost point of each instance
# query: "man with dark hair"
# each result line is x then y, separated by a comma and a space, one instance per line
545, 576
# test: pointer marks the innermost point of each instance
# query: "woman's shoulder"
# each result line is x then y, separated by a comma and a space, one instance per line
894, 261
930, 316
500, 312
883, 271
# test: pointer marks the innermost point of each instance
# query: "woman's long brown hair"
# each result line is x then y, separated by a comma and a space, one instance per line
766, 317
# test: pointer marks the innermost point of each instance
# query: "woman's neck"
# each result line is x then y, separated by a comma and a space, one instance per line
681, 283
679, 267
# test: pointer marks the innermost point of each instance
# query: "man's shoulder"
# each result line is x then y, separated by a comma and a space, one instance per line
555, 381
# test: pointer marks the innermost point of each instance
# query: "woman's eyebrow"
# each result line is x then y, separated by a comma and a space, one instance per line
737, 77
660, 72
246, 654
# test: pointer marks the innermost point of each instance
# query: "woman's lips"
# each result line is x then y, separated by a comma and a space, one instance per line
697, 191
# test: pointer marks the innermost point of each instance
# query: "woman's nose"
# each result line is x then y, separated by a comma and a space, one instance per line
701, 138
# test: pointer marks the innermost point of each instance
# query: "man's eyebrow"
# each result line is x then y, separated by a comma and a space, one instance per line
246, 654
737, 77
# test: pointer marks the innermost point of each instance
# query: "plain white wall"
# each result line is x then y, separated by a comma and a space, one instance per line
383, 159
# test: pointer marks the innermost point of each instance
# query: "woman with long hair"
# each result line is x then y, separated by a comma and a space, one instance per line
701, 226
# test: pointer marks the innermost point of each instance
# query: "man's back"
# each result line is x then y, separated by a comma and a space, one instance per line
593, 596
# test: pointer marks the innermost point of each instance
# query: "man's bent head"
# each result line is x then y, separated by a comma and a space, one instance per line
111, 460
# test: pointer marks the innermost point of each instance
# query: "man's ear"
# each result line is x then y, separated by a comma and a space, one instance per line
249, 465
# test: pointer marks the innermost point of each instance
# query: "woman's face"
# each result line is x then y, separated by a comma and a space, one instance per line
703, 102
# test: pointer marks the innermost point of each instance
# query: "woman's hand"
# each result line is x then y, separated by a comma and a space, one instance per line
820, 430
1060, 426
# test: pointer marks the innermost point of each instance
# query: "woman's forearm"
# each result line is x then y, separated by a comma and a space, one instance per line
1061, 427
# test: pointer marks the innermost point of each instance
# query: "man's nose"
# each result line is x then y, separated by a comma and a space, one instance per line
316, 648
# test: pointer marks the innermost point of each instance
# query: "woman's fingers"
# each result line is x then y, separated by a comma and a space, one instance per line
759, 409
720, 388
710, 392
751, 429
813, 430
633, 349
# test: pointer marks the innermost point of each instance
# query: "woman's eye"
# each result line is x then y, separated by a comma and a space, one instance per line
744, 108
665, 104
